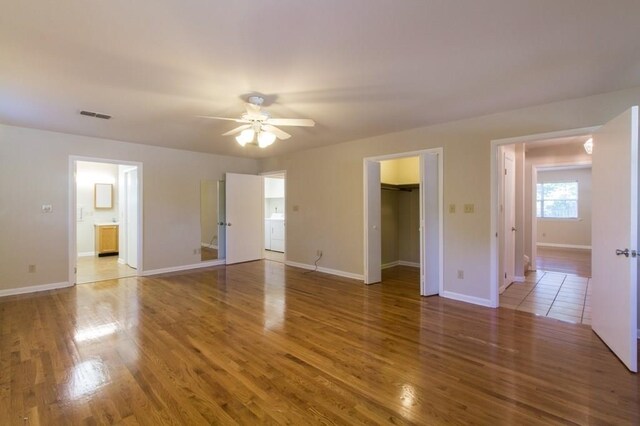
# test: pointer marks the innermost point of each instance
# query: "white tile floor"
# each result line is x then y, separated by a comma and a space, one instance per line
557, 295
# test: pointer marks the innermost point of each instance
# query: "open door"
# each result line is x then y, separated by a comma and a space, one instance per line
430, 217
372, 219
509, 209
615, 236
245, 224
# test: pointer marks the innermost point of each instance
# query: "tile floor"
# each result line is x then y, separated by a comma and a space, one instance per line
557, 295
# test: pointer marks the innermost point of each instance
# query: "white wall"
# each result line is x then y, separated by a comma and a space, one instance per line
568, 232
34, 170
87, 175
326, 185
548, 155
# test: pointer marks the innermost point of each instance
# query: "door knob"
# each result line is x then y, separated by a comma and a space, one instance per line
229, 224
513, 228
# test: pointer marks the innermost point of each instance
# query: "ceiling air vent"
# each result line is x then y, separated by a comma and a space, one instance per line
95, 115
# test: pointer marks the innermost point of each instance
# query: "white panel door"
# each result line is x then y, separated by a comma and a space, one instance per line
430, 211
373, 217
509, 218
131, 237
615, 230
245, 222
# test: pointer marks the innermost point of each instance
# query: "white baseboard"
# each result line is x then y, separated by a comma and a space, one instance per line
207, 245
34, 288
569, 246
87, 254
390, 264
469, 299
216, 262
344, 274
400, 263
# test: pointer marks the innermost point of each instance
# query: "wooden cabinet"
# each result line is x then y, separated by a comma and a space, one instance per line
106, 239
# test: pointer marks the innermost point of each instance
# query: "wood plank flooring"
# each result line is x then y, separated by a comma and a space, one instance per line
569, 261
94, 268
263, 343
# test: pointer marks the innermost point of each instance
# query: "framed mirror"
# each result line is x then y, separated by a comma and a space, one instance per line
103, 196
212, 219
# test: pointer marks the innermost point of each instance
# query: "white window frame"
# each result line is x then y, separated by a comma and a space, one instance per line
577, 200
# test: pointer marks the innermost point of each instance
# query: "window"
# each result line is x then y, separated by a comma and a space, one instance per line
557, 200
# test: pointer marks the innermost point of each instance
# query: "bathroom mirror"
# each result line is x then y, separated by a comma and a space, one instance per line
103, 196
212, 220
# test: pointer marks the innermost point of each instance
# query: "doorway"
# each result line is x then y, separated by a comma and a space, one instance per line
105, 232
275, 216
544, 204
429, 226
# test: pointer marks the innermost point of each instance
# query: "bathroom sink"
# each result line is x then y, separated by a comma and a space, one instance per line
277, 216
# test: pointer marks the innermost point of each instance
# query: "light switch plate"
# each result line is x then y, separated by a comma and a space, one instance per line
452, 208
47, 208
469, 208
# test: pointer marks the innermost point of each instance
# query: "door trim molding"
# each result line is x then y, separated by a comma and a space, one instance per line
494, 190
72, 219
440, 152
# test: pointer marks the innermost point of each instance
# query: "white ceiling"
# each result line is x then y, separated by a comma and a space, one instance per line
357, 67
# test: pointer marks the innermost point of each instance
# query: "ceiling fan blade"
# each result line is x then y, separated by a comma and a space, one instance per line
303, 122
280, 134
237, 120
237, 130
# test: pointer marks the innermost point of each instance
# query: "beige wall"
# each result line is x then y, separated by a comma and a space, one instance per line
34, 170
568, 231
87, 175
409, 226
389, 211
326, 184
548, 155
400, 171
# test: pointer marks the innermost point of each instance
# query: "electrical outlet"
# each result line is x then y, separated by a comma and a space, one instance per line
460, 274
47, 208
32, 269
196, 251
319, 253
452, 208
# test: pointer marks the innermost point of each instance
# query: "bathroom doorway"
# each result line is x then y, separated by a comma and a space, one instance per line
274, 216
105, 240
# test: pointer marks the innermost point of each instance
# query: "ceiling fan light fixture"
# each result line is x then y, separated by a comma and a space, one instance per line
265, 139
245, 137
588, 146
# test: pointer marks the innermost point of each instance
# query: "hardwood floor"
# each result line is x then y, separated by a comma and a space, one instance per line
263, 343
94, 268
568, 261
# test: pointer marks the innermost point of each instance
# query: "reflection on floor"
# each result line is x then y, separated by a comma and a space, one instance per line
94, 268
569, 261
556, 295
276, 256
207, 253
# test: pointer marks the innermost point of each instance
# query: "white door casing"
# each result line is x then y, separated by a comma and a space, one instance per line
615, 227
244, 217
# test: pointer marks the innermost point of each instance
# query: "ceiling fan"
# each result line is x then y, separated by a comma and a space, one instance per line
258, 123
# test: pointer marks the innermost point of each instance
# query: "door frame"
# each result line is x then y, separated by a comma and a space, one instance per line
440, 152
494, 257
73, 196
286, 198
